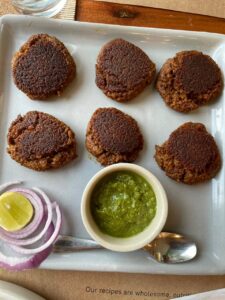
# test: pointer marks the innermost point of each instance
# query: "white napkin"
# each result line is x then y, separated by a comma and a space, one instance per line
212, 295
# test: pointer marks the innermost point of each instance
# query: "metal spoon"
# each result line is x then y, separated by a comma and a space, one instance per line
166, 248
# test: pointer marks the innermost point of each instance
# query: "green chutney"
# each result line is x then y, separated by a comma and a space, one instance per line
123, 204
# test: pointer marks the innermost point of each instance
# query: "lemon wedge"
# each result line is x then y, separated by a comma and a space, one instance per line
16, 211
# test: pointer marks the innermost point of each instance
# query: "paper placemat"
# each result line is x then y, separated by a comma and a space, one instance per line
67, 13
214, 8
69, 285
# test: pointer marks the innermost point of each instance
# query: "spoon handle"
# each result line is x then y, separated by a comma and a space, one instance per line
66, 243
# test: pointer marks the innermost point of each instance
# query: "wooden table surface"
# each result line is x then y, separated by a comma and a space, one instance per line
111, 13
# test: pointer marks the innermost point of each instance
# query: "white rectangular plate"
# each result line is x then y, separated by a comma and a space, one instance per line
198, 211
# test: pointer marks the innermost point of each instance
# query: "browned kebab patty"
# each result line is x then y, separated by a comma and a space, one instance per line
189, 80
123, 70
43, 67
190, 155
113, 136
39, 141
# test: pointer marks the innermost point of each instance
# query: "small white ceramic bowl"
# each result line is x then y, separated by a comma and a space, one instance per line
139, 240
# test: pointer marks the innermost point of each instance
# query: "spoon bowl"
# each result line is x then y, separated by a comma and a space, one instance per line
171, 248
167, 247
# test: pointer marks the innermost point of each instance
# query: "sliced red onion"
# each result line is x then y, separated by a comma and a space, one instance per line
50, 241
27, 262
8, 184
37, 237
38, 216
41, 228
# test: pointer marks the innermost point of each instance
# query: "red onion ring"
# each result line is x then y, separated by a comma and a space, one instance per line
33, 261
32, 257
8, 184
36, 238
53, 237
38, 216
